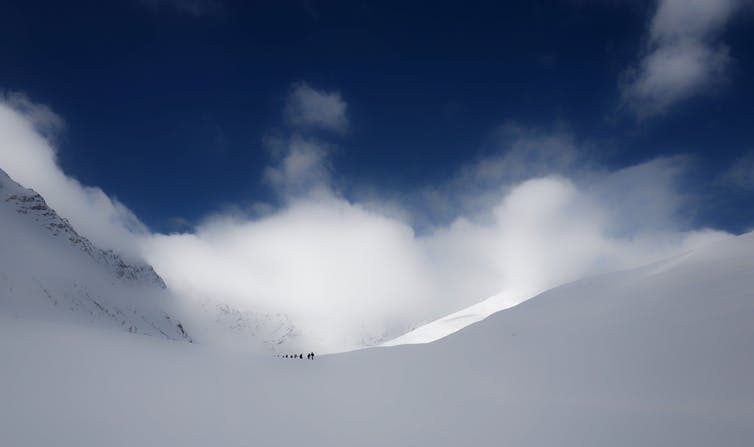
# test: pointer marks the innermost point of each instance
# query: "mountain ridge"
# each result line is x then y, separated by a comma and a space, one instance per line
47, 262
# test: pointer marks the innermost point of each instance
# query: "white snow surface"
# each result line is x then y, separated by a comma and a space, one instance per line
657, 356
450, 324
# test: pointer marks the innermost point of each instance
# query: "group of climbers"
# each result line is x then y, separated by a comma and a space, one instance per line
309, 356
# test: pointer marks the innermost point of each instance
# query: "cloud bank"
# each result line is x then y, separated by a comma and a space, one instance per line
533, 215
347, 272
683, 55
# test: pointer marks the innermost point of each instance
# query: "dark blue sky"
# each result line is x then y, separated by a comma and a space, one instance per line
167, 102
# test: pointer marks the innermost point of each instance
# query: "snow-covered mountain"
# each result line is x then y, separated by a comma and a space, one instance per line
49, 271
656, 356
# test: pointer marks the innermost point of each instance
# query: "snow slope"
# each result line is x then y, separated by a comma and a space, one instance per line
450, 324
48, 271
657, 356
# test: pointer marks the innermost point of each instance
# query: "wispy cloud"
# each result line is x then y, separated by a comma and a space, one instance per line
41, 117
307, 107
741, 172
301, 166
27, 154
683, 55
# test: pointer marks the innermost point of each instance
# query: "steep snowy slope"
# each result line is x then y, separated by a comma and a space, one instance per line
449, 324
49, 271
658, 356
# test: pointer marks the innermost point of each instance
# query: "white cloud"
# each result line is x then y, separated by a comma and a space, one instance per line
693, 18
28, 155
741, 172
310, 108
302, 167
525, 153
683, 56
513, 154
347, 272
338, 270
40, 116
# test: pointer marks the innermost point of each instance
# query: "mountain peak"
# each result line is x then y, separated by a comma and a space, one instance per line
48, 262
